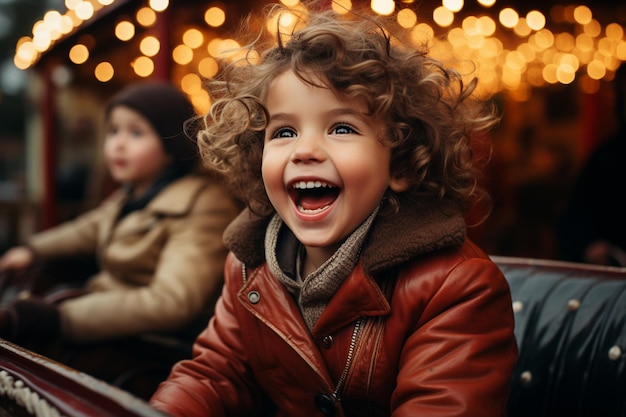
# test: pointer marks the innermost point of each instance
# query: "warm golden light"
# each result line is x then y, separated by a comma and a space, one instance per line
570, 46
522, 29
52, 21
84, 10
406, 18
208, 67
215, 17
614, 31
42, 42
226, 49
26, 50
79, 54
104, 72
66, 25
582, 15
620, 50
422, 34
593, 28
453, 5
535, 20
584, 43
564, 41
341, 6
543, 39
71, 4
143, 66
486, 26
124, 30
149, 46
443, 17
588, 85
159, 5
508, 17
193, 38
596, 70
383, 7
201, 101
182, 54
146, 17
191, 83
213, 48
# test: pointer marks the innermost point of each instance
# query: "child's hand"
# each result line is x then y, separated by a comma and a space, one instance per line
16, 258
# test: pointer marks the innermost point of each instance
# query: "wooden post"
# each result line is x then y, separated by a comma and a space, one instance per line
49, 125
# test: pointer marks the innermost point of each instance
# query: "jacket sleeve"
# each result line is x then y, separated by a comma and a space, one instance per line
189, 273
74, 237
459, 358
217, 381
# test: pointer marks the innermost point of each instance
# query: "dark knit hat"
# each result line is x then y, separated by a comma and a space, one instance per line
167, 109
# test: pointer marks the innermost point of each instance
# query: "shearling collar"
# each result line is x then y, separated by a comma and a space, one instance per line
418, 228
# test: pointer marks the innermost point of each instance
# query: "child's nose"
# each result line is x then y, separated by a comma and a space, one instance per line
308, 148
118, 140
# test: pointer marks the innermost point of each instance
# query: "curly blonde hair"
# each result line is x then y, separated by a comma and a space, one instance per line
430, 113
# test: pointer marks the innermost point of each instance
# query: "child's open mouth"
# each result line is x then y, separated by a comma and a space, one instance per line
312, 197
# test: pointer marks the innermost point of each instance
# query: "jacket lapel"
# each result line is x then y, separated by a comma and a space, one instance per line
174, 200
278, 311
359, 295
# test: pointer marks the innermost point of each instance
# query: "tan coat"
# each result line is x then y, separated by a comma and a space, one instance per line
161, 266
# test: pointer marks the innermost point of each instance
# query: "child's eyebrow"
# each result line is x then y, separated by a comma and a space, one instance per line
333, 112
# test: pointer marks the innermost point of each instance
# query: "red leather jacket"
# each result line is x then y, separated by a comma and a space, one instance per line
440, 343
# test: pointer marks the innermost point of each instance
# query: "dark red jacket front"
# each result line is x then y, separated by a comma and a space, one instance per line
440, 343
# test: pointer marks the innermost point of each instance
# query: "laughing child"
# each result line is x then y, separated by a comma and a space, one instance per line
351, 288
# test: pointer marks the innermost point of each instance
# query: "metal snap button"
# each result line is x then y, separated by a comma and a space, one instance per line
327, 341
325, 403
254, 297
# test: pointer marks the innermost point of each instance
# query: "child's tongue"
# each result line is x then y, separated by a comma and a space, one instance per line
313, 201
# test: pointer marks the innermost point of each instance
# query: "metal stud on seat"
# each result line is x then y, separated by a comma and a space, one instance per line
573, 304
615, 353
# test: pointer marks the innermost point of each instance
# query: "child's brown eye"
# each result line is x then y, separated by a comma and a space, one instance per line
343, 129
283, 132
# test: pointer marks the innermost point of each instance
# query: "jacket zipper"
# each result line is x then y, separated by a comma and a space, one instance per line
342, 380
336, 395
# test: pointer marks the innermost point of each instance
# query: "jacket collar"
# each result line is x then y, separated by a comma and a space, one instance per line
178, 197
174, 200
358, 296
419, 227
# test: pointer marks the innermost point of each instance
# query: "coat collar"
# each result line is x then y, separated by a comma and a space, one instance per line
174, 200
178, 197
419, 227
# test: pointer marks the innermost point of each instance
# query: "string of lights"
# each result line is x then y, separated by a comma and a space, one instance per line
511, 51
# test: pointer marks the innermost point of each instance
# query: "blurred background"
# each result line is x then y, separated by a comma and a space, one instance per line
549, 67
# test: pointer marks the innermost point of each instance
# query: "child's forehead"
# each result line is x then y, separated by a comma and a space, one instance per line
124, 113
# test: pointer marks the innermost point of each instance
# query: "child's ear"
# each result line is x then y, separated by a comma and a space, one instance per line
398, 184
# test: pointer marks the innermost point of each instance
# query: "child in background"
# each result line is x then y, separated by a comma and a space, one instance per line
158, 239
351, 288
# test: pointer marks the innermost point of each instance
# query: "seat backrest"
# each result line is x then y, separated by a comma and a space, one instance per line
32, 385
570, 325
